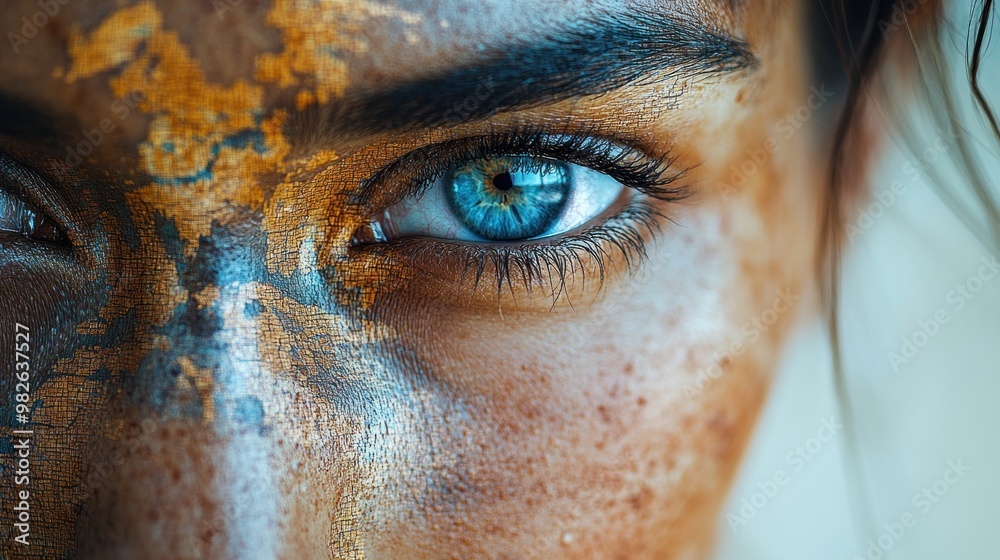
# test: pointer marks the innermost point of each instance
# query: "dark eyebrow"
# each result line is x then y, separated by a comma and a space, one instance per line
24, 119
590, 57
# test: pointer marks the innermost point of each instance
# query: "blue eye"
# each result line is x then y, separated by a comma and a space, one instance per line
502, 198
505, 198
524, 208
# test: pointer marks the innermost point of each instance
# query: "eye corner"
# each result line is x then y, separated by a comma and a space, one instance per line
22, 212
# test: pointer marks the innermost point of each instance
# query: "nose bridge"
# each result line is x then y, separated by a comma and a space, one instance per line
200, 354
192, 473
233, 383
203, 357
243, 428
186, 466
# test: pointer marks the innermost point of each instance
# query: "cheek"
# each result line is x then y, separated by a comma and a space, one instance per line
614, 426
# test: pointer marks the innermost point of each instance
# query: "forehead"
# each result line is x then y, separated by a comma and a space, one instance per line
347, 44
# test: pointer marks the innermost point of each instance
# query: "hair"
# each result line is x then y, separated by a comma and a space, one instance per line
911, 35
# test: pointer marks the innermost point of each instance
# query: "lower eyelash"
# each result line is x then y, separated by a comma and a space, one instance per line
548, 266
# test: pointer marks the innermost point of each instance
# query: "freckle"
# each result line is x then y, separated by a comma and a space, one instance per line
629, 368
605, 415
641, 401
640, 500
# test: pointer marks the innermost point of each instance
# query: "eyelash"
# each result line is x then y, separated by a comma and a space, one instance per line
545, 263
651, 176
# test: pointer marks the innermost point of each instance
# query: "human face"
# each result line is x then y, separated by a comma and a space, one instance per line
227, 360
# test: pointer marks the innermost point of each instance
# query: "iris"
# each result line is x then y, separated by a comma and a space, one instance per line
510, 197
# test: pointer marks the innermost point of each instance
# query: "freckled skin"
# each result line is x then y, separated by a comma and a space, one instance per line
221, 376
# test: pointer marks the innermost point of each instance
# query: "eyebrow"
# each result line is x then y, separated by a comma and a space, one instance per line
590, 57
24, 119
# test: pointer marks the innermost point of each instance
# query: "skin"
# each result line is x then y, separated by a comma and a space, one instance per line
222, 376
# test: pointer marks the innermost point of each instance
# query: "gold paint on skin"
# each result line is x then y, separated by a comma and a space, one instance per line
307, 209
315, 37
202, 380
114, 42
207, 296
91, 327
192, 120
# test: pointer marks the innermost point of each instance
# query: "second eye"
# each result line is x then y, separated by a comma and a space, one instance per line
503, 198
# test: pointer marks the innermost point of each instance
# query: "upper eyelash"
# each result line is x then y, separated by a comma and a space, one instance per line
652, 176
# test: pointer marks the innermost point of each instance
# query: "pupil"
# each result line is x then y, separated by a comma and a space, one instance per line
503, 182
